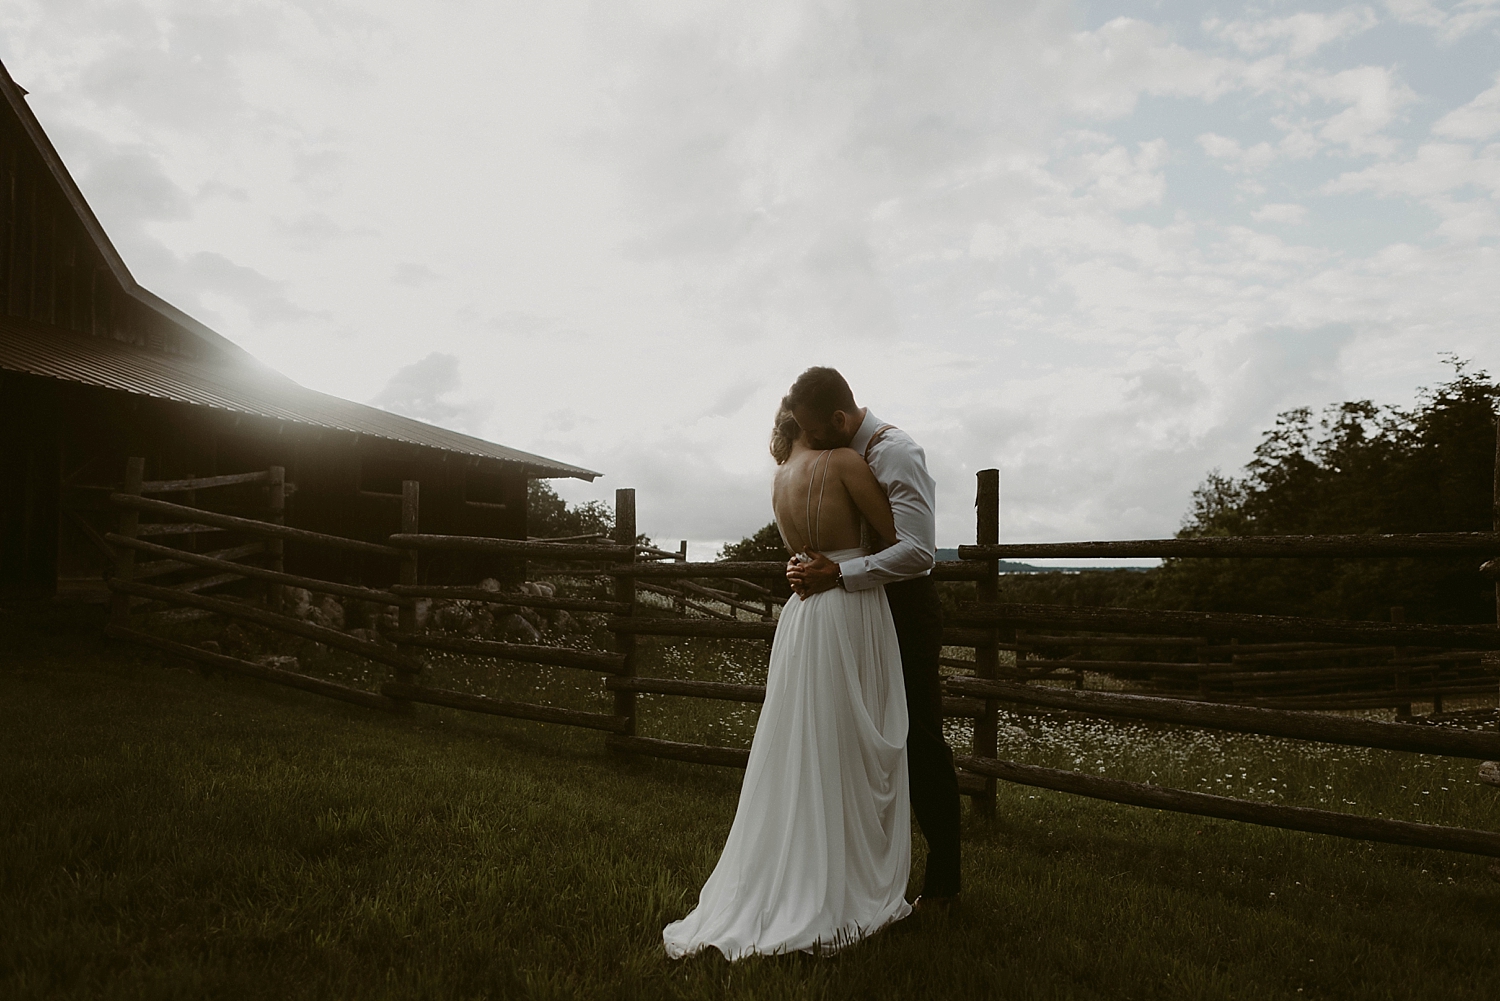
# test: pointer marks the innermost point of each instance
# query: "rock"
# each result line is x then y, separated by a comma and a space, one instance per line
534, 617
326, 611
539, 588
1489, 773
564, 623
1013, 731
278, 661
489, 584
516, 629
297, 601
452, 616
423, 612
483, 623
330, 612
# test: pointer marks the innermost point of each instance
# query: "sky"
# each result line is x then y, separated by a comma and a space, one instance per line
1096, 245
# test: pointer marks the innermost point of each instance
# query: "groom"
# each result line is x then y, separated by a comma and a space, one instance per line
824, 407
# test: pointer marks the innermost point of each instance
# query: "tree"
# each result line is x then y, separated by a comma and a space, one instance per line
765, 544
549, 517
1359, 468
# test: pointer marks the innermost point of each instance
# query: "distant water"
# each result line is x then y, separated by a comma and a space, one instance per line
1006, 566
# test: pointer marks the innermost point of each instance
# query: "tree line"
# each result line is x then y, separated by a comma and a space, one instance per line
1355, 467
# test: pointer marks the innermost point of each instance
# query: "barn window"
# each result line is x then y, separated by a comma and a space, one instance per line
382, 476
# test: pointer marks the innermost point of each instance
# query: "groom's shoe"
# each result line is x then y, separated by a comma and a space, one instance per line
925, 906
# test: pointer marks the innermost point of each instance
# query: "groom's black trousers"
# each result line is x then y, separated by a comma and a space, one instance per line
934, 784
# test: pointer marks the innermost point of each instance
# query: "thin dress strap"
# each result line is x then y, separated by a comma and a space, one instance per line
815, 536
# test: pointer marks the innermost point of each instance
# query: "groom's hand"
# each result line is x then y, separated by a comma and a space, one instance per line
817, 574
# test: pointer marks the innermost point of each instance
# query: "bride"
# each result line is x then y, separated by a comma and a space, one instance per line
820, 849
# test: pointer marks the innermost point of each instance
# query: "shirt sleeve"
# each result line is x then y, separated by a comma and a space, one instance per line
902, 471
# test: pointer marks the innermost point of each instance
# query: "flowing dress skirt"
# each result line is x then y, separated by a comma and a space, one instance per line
820, 849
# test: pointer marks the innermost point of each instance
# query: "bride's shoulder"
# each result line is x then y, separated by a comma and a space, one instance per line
847, 459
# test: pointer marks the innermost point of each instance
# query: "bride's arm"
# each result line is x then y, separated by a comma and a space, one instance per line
867, 494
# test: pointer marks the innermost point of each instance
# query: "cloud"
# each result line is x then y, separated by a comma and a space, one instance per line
1111, 68
127, 180
1303, 33
1448, 25
316, 229
1283, 213
214, 277
1374, 95
1436, 169
1479, 119
413, 274
1236, 157
421, 389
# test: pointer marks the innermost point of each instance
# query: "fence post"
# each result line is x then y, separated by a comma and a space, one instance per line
130, 521
987, 654
1496, 515
276, 548
681, 600
625, 593
406, 615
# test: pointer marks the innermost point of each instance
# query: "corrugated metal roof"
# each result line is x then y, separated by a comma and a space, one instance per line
244, 388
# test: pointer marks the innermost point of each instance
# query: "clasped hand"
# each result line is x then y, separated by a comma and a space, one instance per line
812, 574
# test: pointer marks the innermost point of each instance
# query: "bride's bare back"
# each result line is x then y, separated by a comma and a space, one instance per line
820, 496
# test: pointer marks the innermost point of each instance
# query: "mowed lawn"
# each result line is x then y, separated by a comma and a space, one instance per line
167, 835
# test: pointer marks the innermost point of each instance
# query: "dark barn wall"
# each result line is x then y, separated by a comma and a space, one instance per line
73, 440
30, 475
351, 485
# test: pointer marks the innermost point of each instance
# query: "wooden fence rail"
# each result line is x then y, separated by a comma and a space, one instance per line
510, 547
505, 707
518, 598
770, 569
185, 558
1228, 624
249, 669
212, 519
588, 660
203, 482
1296, 818
1254, 547
262, 617
1242, 719
158, 568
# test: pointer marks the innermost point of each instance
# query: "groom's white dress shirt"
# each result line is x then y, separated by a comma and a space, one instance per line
900, 467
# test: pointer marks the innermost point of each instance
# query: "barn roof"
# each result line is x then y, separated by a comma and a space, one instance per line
224, 376
244, 389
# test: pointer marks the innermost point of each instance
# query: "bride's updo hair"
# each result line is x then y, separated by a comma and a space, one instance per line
783, 433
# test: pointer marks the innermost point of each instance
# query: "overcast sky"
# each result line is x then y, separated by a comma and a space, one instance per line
1098, 245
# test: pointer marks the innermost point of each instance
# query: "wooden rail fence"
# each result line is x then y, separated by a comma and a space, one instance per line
1268, 685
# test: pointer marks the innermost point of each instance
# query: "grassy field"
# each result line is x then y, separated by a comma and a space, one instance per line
167, 835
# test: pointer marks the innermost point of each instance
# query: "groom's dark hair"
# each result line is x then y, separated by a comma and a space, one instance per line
821, 390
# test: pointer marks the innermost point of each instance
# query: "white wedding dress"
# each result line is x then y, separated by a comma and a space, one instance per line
820, 849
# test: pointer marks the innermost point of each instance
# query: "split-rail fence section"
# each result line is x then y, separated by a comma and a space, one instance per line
1234, 673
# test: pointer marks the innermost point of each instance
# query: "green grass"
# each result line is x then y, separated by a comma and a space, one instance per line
166, 835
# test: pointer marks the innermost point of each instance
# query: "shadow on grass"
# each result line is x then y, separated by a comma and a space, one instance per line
170, 835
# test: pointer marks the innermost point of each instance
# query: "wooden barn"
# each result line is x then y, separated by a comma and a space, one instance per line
94, 368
